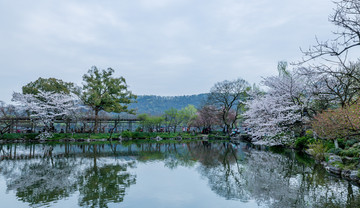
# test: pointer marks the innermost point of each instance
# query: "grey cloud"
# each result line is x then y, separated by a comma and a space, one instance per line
157, 45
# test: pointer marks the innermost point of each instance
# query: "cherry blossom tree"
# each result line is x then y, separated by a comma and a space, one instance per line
45, 107
282, 110
207, 117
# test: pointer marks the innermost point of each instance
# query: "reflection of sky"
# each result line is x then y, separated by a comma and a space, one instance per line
9, 199
158, 186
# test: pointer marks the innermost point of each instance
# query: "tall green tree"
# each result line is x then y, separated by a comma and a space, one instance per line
103, 92
172, 118
150, 123
188, 115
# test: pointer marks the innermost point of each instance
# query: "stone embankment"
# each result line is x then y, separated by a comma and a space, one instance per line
337, 165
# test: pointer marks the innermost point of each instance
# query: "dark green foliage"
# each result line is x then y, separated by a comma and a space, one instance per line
351, 152
329, 144
304, 159
126, 134
103, 92
49, 85
278, 149
31, 136
137, 135
335, 151
341, 143
351, 142
151, 135
10, 136
157, 105
303, 142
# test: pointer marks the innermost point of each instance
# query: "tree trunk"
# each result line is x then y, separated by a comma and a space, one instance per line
336, 143
112, 130
96, 121
67, 128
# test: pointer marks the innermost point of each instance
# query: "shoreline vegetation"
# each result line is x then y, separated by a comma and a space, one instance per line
123, 136
342, 161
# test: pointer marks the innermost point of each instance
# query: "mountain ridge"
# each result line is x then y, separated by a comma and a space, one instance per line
157, 105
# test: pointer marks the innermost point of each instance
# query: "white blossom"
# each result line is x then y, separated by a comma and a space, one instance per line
278, 110
45, 107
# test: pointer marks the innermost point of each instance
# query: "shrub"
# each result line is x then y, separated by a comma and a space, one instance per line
335, 151
9, 136
341, 143
319, 149
135, 135
338, 123
309, 133
352, 152
126, 134
328, 144
303, 142
19, 136
140, 135
351, 142
30, 136
277, 149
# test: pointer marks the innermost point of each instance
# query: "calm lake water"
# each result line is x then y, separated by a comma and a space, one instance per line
166, 175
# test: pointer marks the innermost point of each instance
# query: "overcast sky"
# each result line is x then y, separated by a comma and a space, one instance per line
161, 47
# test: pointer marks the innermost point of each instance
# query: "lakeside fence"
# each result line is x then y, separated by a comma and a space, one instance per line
81, 125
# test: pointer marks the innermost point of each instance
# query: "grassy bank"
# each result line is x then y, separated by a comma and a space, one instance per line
101, 136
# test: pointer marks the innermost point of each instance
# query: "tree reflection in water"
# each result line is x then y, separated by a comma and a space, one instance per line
276, 180
43, 174
99, 186
41, 180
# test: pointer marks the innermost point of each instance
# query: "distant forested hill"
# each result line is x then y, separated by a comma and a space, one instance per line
156, 105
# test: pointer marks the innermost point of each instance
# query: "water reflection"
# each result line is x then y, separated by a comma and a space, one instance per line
42, 174
48, 174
